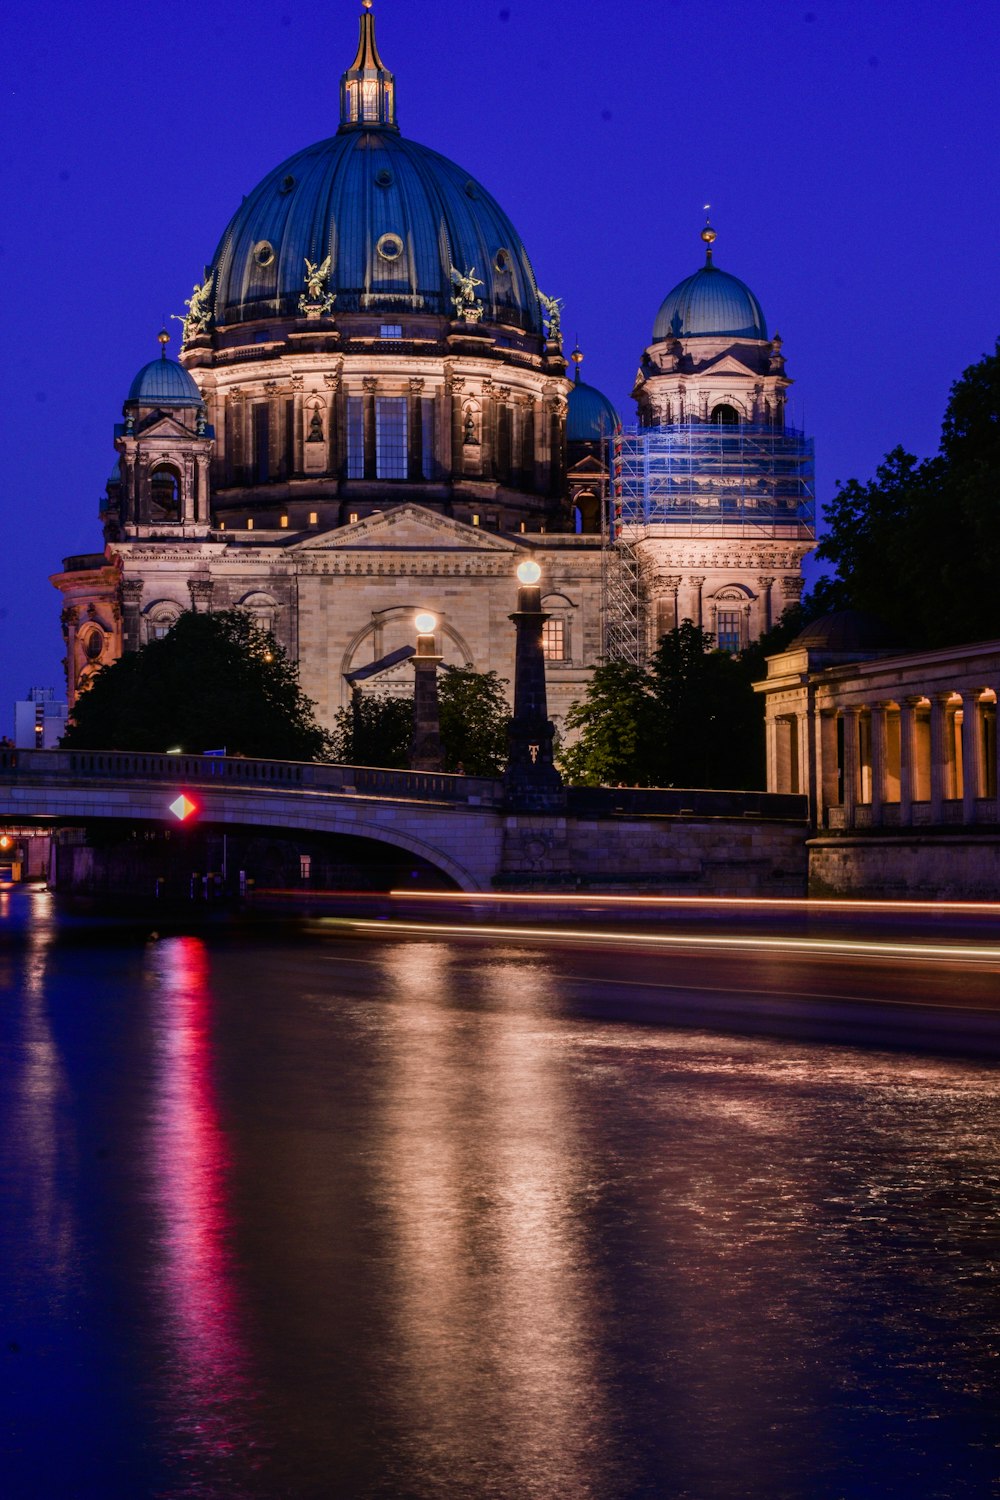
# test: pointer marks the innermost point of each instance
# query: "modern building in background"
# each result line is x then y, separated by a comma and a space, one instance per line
371, 415
39, 719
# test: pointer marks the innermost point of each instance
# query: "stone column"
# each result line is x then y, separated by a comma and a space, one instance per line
531, 781
972, 753
851, 758
425, 746
826, 764
939, 755
879, 712
414, 432
295, 460
764, 584
696, 583
907, 759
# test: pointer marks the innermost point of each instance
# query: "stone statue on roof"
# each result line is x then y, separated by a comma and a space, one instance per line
468, 306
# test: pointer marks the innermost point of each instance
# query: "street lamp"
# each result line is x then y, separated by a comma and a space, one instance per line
531, 780
425, 746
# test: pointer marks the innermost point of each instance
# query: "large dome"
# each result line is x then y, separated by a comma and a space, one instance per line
163, 382
394, 218
710, 304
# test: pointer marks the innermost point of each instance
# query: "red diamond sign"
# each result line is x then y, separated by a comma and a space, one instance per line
183, 807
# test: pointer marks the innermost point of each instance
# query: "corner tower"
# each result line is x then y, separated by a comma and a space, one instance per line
713, 504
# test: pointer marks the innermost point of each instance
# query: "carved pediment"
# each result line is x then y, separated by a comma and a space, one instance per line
728, 364
404, 528
164, 425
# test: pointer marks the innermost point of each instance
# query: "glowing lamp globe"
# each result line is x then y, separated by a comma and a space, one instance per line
529, 572
425, 623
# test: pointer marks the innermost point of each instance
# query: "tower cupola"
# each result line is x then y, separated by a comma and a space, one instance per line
367, 89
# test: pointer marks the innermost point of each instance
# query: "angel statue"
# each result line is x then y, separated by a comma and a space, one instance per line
315, 295
198, 317
467, 304
552, 307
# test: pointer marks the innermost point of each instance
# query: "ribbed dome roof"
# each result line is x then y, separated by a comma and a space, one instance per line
846, 630
393, 216
164, 383
710, 304
591, 416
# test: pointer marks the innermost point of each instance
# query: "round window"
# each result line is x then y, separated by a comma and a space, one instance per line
384, 177
390, 247
471, 190
287, 183
94, 645
263, 253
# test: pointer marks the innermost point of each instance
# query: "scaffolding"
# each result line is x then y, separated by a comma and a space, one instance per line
753, 481
695, 480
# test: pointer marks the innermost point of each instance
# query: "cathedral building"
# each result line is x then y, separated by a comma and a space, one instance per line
370, 416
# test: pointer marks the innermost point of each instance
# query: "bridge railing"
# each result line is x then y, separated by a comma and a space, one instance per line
216, 770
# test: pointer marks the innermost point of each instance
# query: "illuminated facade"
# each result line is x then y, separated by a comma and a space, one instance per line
370, 415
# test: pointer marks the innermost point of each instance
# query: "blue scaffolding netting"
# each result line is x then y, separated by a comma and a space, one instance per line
753, 480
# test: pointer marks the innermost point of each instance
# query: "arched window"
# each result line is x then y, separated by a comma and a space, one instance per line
165, 489
160, 617
725, 415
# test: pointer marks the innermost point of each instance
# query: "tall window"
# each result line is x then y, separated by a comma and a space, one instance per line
355, 438
165, 489
390, 437
261, 442
554, 640
728, 630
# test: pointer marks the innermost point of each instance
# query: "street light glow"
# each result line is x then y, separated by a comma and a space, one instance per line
529, 572
425, 623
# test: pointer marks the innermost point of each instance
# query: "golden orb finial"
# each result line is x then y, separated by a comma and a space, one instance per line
367, 4
163, 339
709, 236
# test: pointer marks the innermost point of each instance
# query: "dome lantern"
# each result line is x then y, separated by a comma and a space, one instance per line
367, 89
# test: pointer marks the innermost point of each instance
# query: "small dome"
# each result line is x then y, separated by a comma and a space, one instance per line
710, 304
164, 383
844, 631
591, 416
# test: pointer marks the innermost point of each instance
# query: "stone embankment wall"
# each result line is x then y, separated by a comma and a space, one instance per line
696, 856
925, 865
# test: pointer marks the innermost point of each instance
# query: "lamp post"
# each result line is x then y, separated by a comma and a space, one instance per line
531, 780
425, 746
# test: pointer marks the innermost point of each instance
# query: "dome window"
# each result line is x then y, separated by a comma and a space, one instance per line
725, 415
471, 191
263, 253
94, 645
502, 260
390, 247
384, 177
287, 183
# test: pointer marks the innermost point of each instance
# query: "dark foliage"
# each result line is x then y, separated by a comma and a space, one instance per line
376, 729
919, 545
214, 681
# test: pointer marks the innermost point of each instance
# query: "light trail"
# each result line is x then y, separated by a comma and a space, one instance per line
647, 941
779, 903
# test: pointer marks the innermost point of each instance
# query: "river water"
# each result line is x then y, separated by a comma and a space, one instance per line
303, 1214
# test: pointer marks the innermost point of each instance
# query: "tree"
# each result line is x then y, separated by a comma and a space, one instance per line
618, 723
377, 727
374, 730
474, 717
214, 680
691, 719
919, 545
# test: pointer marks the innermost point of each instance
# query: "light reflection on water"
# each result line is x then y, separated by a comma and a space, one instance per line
400, 1219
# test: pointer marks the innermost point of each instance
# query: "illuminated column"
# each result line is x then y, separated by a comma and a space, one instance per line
851, 762
878, 760
425, 746
939, 755
697, 583
827, 771
972, 753
764, 584
907, 759
370, 384
531, 781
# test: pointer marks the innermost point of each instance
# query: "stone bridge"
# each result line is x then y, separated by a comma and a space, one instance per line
723, 842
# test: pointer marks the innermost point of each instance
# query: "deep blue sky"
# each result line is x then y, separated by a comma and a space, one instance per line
849, 152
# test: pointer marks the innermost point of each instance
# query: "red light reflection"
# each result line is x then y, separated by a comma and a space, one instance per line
191, 1163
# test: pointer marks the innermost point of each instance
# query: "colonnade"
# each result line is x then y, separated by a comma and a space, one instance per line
916, 759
